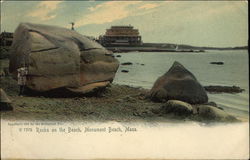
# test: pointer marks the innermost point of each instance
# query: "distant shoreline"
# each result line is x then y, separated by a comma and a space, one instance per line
120, 49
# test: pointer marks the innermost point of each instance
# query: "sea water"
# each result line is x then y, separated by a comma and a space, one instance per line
148, 66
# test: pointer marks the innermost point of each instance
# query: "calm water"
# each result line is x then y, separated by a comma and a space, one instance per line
233, 72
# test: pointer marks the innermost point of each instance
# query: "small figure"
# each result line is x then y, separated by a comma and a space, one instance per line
72, 25
21, 78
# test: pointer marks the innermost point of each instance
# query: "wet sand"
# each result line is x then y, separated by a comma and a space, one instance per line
116, 102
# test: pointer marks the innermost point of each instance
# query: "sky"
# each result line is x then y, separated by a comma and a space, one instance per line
199, 23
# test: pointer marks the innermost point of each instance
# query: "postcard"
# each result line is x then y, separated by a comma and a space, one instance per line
124, 80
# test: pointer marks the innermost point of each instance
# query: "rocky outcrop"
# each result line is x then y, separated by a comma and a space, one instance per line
179, 84
223, 89
60, 58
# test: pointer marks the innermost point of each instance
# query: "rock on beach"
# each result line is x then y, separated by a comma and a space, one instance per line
179, 84
201, 112
213, 113
177, 107
60, 58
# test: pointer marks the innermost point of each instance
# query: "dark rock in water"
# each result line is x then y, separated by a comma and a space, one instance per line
212, 113
223, 89
142, 64
5, 102
118, 56
60, 58
218, 63
177, 107
180, 84
127, 63
211, 104
124, 71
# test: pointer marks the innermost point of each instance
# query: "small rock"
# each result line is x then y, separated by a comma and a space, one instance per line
118, 56
129, 99
124, 71
155, 111
145, 112
119, 100
127, 63
218, 63
24, 104
91, 112
136, 114
177, 107
141, 97
212, 113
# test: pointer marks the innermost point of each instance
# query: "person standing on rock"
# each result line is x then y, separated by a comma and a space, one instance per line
21, 78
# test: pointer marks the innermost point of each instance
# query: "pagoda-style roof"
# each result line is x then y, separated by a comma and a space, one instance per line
122, 27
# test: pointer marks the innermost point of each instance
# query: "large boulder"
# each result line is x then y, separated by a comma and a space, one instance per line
60, 58
178, 84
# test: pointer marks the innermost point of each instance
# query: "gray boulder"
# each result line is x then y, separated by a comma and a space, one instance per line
213, 113
60, 58
180, 84
177, 107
